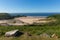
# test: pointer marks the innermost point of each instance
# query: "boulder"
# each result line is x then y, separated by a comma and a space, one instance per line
15, 33
44, 35
28, 34
54, 36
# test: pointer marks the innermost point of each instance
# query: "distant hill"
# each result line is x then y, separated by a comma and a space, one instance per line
5, 16
9, 16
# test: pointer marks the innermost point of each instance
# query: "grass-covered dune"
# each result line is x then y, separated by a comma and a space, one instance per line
57, 17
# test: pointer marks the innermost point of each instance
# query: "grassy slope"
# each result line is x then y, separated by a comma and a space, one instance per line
36, 30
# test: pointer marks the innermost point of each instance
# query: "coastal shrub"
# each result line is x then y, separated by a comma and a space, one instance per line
2, 33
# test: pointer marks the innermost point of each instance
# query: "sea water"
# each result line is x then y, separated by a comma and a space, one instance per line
34, 14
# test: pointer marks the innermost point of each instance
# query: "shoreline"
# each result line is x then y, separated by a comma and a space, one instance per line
38, 16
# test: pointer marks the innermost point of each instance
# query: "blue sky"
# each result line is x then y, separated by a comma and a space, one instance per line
29, 6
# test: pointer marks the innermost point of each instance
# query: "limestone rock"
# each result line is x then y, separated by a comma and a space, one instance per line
44, 35
13, 33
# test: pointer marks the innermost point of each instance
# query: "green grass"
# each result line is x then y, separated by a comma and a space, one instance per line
32, 29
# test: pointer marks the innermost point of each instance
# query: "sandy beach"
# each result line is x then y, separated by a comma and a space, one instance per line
25, 20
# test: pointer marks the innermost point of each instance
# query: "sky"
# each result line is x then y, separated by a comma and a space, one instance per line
29, 6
